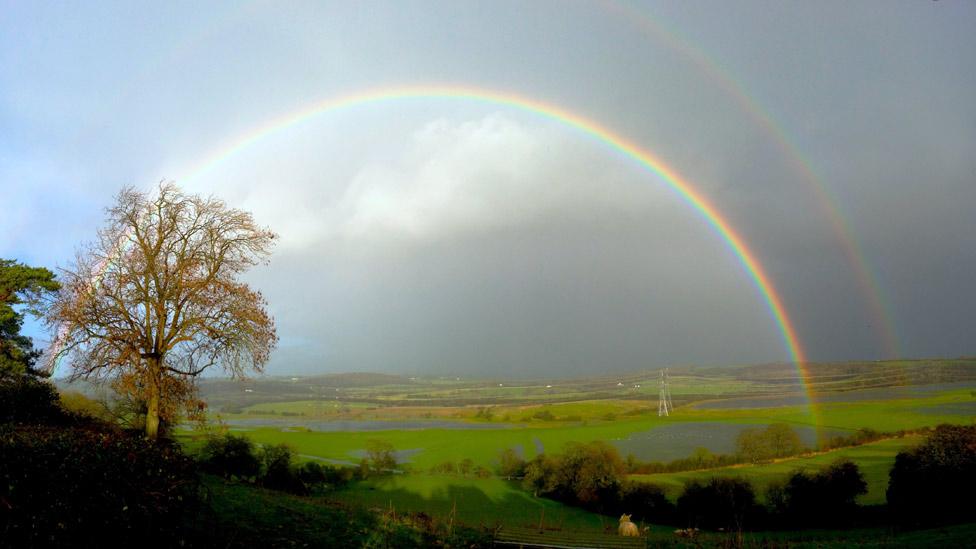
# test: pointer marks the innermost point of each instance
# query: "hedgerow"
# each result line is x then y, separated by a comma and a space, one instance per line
75, 486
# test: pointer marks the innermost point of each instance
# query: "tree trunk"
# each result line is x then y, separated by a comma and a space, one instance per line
152, 403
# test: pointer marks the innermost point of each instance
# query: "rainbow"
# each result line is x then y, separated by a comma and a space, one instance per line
829, 206
695, 199
55, 352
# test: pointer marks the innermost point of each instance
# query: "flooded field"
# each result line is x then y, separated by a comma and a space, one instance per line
951, 408
361, 425
680, 440
799, 399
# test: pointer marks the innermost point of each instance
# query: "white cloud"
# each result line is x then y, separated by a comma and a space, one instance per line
442, 180
479, 175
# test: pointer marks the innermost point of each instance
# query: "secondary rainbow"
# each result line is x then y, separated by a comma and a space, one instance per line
670, 177
883, 321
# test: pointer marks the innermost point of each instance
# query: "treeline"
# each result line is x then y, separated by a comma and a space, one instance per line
930, 484
754, 445
273, 466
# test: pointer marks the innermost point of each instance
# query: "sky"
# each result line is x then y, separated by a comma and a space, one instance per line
447, 234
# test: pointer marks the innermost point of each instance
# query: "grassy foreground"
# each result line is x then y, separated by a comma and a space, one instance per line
473, 501
245, 516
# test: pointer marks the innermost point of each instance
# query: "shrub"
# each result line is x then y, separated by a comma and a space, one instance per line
826, 498
230, 456
86, 486
590, 473
776, 440
719, 503
587, 474
277, 472
26, 399
540, 475
314, 475
444, 468
645, 502
482, 472
934, 482
381, 455
544, 415
510, 465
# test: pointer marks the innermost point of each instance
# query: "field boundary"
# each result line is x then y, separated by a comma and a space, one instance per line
564, 539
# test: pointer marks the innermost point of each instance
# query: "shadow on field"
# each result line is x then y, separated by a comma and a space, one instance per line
475, 502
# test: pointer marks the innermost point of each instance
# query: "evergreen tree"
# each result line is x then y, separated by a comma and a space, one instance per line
21, 291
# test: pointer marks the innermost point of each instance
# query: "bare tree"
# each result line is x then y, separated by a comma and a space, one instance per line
156, 299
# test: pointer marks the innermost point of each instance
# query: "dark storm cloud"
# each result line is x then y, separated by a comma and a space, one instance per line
451, 235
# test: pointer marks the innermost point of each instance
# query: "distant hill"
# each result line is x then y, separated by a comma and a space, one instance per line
217, 391
854, 375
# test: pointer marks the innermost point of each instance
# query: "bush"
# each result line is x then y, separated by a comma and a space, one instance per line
645, 502
444, 468
381, 455
826, 498
277, 472
585, 474
720, 503
776, 440
510, 465
544, 415
230, 456
85, 487
934, 482
540, 475
420, 530
590, 473
859, 437
314, 475
26, 399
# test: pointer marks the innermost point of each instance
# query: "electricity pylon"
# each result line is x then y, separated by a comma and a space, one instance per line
664, 405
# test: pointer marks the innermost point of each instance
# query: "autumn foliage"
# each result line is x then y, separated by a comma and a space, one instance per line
155, 300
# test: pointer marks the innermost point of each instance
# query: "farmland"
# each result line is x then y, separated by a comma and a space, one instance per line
444, 421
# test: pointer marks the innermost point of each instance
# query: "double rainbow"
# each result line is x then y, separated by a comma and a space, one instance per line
828, 204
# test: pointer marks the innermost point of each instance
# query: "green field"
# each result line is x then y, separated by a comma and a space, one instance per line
874, 460
273, 518
433, 446
473, 501
531, 416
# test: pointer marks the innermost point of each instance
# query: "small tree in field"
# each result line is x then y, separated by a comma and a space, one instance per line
155, 300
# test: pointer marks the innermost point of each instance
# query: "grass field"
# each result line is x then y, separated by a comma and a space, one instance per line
433, 446
250, 516
533, 420
874, 460
473, 501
